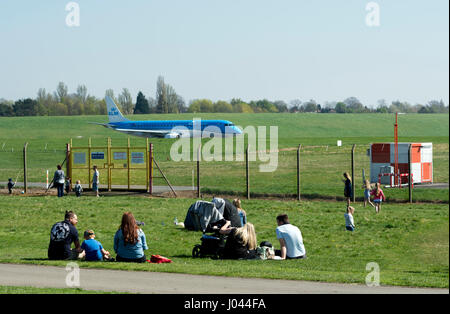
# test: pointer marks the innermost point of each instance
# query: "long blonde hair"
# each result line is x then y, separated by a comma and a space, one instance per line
247, 236
367, 184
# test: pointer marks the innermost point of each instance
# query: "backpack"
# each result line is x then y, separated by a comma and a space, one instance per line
265, 252
158, 259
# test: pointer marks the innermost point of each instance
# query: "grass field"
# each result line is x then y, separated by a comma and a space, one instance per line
409, 242
322, 163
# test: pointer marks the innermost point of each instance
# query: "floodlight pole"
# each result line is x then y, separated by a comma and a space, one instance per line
396, 177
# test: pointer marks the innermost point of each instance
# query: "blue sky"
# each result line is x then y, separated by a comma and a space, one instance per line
216, 49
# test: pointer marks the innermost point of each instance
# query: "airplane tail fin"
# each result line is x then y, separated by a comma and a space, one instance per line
114, 114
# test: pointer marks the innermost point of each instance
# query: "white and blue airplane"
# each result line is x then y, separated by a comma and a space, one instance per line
167, 128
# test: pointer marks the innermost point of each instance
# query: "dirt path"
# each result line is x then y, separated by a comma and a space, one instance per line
166, 283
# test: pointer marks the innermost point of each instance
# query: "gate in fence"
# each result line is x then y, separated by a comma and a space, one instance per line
126, 168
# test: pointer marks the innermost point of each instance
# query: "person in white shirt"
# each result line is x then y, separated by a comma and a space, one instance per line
349, 222
95, 181
291, 240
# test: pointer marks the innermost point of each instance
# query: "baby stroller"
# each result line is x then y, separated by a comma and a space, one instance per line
211, 246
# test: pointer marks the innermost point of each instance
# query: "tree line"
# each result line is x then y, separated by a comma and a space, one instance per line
63, 103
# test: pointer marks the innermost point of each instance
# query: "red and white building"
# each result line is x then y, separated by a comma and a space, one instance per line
382, 156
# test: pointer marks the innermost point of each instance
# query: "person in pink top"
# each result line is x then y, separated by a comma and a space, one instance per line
378, 197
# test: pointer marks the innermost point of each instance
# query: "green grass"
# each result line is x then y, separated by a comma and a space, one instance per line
409, 242
322, 163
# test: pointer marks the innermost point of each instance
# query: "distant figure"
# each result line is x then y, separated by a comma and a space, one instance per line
367, 189
58, 181
67, 185
130, 241
242, 213
62, 235
378, 197
348, 191
10, 185
241, 242
349, 222
93, 249
96, 181
78, 188
290, 238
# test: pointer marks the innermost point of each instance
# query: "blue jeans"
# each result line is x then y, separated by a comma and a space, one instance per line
60, 189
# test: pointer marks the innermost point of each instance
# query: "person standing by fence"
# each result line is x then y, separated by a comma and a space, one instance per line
58, 181
348, 192
96, 181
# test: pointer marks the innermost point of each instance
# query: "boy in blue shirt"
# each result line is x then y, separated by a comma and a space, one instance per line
93, 249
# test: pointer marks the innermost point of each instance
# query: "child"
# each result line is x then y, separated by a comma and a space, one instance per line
242, 213
378, 197
67, 185
10, 185
78, 188
93, 249
349, 223
367, 189
348, 191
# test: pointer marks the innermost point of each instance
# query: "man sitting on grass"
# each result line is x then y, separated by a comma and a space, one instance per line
61, 237
290, 238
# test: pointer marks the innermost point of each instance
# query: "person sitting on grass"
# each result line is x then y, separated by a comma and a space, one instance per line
241, 242
291, 240
130, 241
62, 235
93, 249
349, 222
242, 213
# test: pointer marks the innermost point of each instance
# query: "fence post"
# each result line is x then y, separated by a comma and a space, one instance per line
150, 181
198, 170
25, 168
247, 171
89, 163
109, 164
353, 173
298, 171
410, 174
128, 164
68, 163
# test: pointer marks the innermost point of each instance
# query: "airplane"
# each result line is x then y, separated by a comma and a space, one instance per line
167, 128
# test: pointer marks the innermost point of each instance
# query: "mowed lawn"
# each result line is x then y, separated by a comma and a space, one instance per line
322, 162
410, 243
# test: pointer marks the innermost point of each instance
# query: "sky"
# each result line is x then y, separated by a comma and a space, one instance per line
216, 49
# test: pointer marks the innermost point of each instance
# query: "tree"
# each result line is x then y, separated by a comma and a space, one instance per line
6, 110
61, 92
142, 106
201, 105
223, 106
310, 106
125, 101
281, 106
25, 107
353, 105
162, 105
340, 107
81, 94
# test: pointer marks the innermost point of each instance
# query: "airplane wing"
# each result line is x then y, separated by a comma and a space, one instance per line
147, 132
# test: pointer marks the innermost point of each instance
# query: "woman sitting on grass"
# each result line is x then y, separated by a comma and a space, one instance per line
241, 242
129, 241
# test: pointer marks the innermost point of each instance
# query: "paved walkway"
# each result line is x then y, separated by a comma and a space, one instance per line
166, 283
